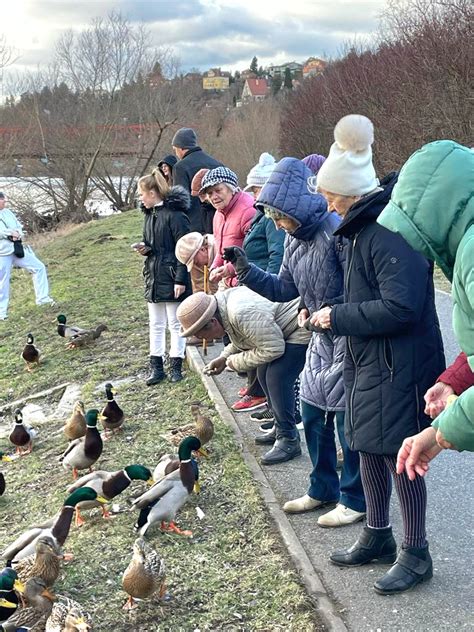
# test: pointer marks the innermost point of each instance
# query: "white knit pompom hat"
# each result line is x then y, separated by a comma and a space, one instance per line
259, 174
348, 170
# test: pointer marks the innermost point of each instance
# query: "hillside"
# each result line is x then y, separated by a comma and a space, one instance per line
233, 574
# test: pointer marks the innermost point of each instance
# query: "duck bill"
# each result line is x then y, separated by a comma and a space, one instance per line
102, 500
6, 458
203, 452
4, 603
19, 586
150, 482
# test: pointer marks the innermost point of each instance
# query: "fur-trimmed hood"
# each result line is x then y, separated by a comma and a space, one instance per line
177, 199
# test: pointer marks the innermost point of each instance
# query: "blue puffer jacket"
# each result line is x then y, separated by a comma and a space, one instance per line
313, 269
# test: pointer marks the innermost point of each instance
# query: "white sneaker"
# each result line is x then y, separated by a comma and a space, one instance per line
340, 517
304, 503
300, 426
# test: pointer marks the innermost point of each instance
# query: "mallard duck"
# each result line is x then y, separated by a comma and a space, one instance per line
22, 435
75, 426
45, 564
165, 498
108, 485
202, 428
9, 583
68, 616
85, 338
112, 415
56, 528
39, 602
67, 331
168, 463
145, 575
83, 453
31, 354
6, 458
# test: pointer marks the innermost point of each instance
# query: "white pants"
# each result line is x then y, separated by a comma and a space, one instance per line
31, 263
160, 315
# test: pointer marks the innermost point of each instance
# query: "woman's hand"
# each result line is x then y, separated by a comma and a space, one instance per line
178, 290
215, 366
217, 274
416, 453
322, 318
143, 249
15, 235
436, 399
303, 316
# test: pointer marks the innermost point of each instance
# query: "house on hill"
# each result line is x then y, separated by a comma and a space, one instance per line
255, 90
313, 67
216, 79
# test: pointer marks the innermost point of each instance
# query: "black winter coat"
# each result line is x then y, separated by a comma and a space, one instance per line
394, 350
200, 215
164, 225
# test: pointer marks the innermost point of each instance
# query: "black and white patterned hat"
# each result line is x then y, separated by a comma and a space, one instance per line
217, 176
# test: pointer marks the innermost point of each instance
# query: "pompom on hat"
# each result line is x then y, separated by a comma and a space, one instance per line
195, 312
259, 174
348, 170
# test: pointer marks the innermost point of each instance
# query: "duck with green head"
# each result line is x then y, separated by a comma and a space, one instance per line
56, 528
82, 453
165, 498
67, 331
108, 485
112, 415
31, 354
22, 435
39, 603
9, 584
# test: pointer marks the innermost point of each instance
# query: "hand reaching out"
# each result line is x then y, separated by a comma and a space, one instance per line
436, 398
416, 453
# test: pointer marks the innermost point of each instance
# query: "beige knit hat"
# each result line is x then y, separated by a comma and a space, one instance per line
187, 247
195, 312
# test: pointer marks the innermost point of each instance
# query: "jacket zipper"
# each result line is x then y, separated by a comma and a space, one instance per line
351, 351
390, 368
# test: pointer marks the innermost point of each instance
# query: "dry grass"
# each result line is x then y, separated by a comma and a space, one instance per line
234, 573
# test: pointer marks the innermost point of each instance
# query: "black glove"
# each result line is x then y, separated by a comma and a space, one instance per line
238, 258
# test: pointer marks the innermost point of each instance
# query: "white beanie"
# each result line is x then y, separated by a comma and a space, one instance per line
259, 174
348, 170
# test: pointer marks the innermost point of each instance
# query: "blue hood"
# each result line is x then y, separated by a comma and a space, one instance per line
286, 190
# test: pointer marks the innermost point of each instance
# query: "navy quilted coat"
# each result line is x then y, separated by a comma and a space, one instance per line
313, 269
394, 347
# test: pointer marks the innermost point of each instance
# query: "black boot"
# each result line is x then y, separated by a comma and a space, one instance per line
176, 364
157, 373
266, 438
373, 545
413, 566
284, 449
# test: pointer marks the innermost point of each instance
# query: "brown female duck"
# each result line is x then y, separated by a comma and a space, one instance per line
75, 426
144, 576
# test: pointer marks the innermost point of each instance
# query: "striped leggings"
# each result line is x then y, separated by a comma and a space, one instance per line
376, 472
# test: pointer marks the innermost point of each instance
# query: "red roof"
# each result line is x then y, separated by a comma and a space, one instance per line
257, 87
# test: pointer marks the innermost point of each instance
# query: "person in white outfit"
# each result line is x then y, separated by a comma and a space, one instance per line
11, 230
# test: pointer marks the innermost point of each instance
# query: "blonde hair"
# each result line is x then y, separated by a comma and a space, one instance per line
155, 181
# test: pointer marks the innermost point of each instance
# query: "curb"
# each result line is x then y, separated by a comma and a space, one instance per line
308, 575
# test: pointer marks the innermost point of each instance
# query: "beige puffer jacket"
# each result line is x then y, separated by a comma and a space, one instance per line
258, 329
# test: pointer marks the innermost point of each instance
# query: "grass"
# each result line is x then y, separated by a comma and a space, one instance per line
234, 574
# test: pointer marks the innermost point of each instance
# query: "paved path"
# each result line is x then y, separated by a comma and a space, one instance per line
445, 603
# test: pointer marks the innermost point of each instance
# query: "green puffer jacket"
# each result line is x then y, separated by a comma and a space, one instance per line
432, 207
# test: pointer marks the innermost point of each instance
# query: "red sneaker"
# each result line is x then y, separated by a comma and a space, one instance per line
242, 391
249, 403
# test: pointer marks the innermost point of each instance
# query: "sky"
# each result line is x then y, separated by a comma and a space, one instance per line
202, 33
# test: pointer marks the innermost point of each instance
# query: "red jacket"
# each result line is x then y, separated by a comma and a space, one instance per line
230, 225
459, 375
